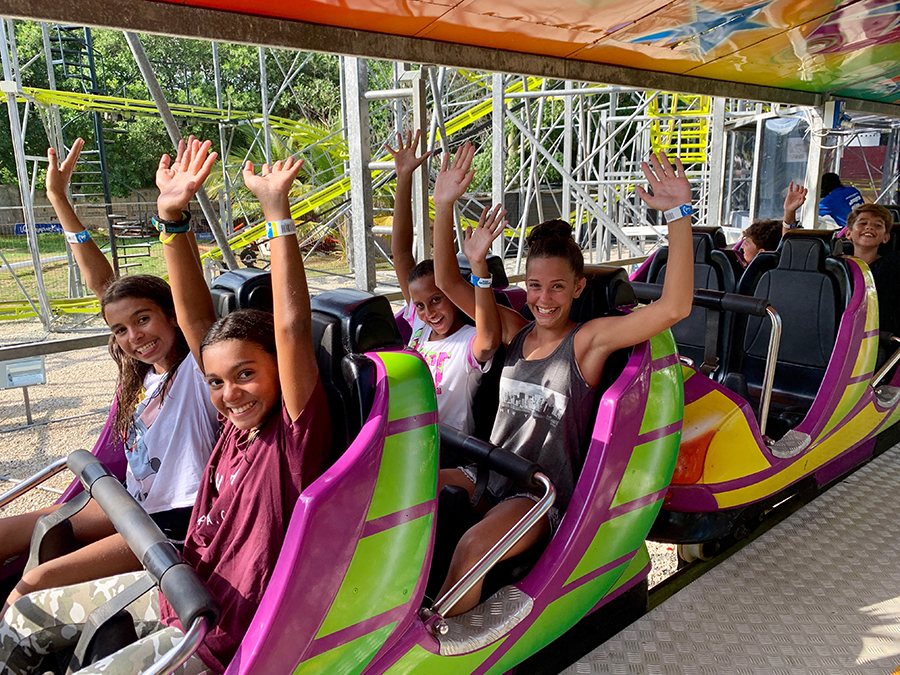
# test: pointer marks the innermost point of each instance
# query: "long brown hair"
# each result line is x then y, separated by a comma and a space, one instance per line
131, 371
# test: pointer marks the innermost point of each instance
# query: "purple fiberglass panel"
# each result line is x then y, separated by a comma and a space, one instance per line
109, 450
640, 274
403, 326
320, 541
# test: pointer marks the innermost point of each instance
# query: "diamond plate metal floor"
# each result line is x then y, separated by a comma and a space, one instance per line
818, 594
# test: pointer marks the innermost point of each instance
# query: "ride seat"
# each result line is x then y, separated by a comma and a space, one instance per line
607, 289
810, 291
713, 271
346, 323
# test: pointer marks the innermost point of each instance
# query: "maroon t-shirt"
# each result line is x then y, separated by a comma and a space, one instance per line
243, 508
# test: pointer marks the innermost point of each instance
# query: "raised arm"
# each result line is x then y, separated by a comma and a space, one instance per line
488, 330
178, 182
405, 164
794, 199
94, 266
290, 294
450, 185
600, 337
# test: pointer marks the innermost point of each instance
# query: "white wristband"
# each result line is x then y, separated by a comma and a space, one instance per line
280, 228
677, 212
78, 237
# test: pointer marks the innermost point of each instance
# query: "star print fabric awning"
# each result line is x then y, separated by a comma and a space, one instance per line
845, 48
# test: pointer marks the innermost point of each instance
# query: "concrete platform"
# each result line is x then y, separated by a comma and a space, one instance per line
819, 594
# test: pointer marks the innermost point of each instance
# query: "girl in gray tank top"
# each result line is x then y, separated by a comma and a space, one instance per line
553, 364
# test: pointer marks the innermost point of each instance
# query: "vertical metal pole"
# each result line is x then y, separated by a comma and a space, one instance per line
264, 90
498, 148
420, 177
814, 164
101, 151
224, 215
569, 115
716, 164
10, 87
362, 212
757, 167
134, 42
887, 169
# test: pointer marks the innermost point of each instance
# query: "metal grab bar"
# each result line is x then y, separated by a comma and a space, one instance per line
183, 650
492, 557
886, 368
769, 376
34, 480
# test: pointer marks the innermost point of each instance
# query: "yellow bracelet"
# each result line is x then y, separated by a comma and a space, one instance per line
167, 239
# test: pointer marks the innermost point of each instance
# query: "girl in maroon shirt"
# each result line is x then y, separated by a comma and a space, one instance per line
274, 442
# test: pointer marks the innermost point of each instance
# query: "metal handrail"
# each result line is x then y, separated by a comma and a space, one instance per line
769, 376
181, 652
34, 480
886, 368
492, 557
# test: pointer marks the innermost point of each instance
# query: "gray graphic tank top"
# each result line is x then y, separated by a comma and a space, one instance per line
544, 413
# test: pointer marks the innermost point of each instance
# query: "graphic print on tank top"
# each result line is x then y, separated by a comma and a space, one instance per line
533, 400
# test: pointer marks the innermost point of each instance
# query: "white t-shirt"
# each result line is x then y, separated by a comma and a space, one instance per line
453, 367
170, 443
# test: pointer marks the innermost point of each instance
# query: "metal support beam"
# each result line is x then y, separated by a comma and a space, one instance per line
498, 148
421, 222
362, 213
11, 86
175, 135
716, 164
814, 164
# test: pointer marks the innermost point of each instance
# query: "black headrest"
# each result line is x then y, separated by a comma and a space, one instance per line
495, 267
703, 246
243, 288
366, 320
805, 250
896, 211
716, 236
607, 288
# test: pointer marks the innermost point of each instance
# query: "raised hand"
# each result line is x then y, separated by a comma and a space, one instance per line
272, 185
405, 160
795, 198
669, 184
180, 180
477, 242
59, 175
453, 179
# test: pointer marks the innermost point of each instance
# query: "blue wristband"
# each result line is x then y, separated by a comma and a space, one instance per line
78, 237
173, 226
480, 282
677, 212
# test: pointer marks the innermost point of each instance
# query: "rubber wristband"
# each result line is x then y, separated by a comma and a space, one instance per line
281, 228
480, 282
78, 237
677, 212
167, 238
173, 226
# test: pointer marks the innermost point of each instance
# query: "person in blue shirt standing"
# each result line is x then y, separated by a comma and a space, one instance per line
837, 200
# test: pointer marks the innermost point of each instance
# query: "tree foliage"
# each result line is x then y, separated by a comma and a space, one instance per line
185, 70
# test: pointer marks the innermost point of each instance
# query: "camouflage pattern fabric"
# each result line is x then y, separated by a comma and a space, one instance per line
46, 621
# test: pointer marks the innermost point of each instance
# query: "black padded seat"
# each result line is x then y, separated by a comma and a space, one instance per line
713, 270
810, 291
346, 323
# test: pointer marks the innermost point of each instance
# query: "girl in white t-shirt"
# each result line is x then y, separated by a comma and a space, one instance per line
163, 412
456, 353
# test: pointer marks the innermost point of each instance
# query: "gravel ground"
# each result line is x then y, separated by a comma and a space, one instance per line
69, 412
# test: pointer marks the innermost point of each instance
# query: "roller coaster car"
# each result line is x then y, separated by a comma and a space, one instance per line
346, 593
775, 422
